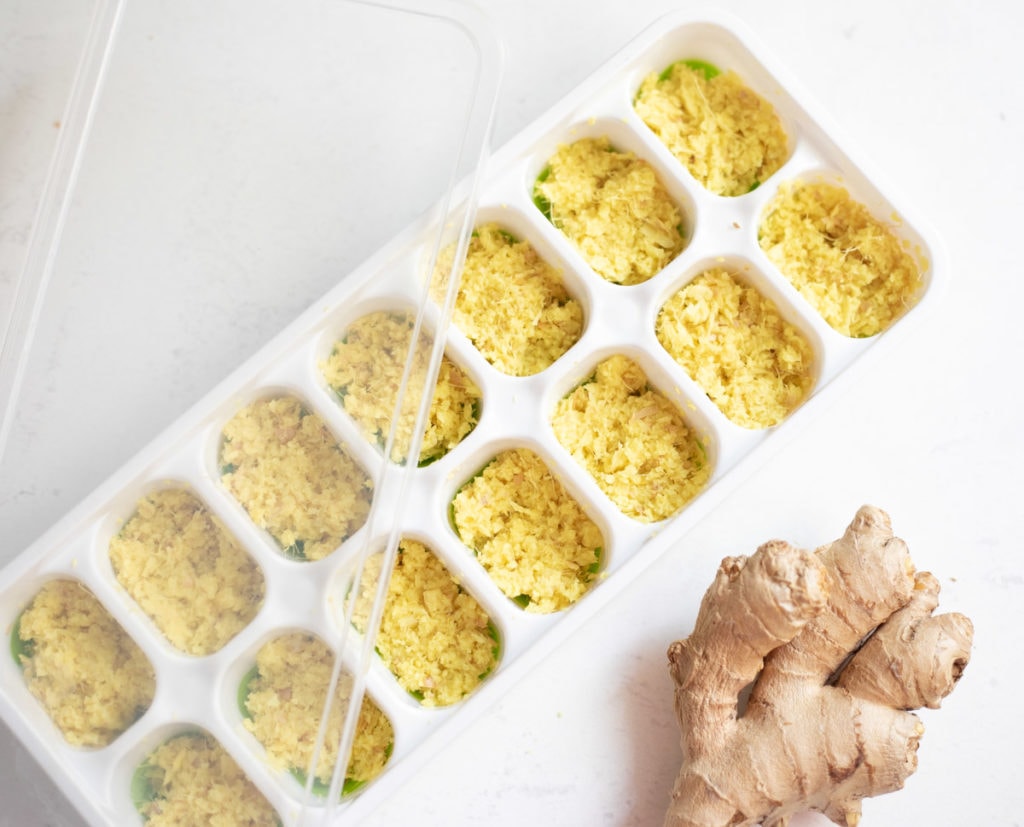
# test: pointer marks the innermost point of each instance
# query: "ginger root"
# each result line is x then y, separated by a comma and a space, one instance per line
834, 647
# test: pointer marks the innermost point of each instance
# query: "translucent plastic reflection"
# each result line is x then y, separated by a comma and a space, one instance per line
186, 224
456, 218
219, 171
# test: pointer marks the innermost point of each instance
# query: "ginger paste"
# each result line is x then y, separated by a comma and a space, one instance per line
532, 537
727, 136
734, 343
186, 571
281, 462
284, 700
89, 675
511, 304
847, 264
434, 636
632, 440
365, 369
612, 207
191, 780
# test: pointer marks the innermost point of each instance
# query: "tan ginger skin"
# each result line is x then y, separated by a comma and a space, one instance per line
822, 729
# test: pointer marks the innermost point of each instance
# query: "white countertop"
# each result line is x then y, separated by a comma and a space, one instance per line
932, 433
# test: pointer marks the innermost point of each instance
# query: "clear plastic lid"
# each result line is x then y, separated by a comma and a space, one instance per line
222, 166
214, 177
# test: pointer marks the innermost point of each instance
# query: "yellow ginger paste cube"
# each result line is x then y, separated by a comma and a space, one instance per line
734, 343
511, 304
434, 636
612, 207
191, 780
284, 699
632, 440
87, 672
848, 265
186, 571
532, 537
281, 462
728, 137
365, 369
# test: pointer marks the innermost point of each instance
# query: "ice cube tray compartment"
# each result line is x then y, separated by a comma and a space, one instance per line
515, 412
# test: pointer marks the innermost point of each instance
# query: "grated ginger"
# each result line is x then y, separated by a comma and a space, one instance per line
89, 675
733, 342
535, 541
282, 463
434, 636
632, 441
186, 571
285, 700
847, 264
511, 304
192, 780
727, 136
612, 207
365, 369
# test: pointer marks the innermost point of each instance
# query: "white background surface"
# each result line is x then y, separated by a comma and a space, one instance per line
932, 434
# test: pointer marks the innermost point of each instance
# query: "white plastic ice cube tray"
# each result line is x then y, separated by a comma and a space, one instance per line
202, 692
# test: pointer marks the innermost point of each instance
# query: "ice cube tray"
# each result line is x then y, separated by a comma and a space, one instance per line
515, 412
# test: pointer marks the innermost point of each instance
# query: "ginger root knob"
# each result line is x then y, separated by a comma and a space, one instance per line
839, 645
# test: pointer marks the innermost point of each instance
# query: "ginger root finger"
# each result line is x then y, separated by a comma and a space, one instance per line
874, 577
915, 659
754, 605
